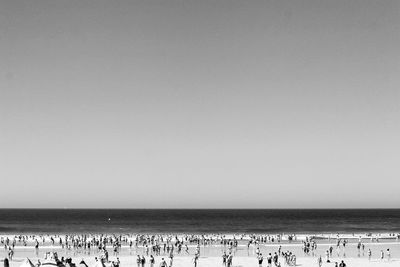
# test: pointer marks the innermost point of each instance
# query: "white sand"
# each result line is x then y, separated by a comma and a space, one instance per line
237, 262
244, 257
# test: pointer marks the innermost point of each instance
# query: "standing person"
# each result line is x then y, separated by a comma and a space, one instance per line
37, 247
269, 260
224, 257
369, 254
275, 258
319, 261
138, 261
260, 260
327, 256
195, 259
10, 253
382, 255
143, 261
171, 260
106, 254
230, 259
388, 254
152, 261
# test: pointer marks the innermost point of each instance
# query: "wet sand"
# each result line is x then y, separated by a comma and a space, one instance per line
244, 256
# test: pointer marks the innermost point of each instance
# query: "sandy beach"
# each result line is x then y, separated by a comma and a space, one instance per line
238, 262
244, 255
184, 261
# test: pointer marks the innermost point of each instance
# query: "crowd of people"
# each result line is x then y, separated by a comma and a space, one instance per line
169, 246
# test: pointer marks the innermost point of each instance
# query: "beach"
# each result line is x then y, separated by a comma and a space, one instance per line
117, 237
209, 247
242, 261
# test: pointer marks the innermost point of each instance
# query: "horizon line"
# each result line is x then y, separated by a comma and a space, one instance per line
85, 208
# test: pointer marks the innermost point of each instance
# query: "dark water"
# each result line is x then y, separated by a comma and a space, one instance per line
198, 221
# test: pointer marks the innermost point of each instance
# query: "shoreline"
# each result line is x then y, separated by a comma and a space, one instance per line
125, 248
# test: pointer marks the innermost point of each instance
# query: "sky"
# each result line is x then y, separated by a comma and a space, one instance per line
199, 104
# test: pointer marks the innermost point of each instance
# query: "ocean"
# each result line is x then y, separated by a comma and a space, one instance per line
63, 221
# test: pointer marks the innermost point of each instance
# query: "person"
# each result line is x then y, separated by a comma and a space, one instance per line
143, 261
105, 254
195, 259
319, 261
382, 255
260, 259
342, 264
276, 258
138, 260
388, 254
163, 263
6, 263
229, 261
224, 257
10, 253
171, 260
152, 261
327, 256
269, 260
369, 254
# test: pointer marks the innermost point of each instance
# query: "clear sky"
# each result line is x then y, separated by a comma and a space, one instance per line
200, 104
